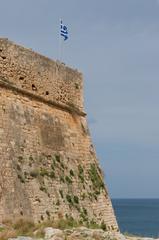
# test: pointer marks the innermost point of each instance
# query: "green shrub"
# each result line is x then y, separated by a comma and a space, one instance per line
52, 166
83, 196
52, 174
34, 173
26, 174
85, 211
43, 189
81, 177
58, 203
67, 223
93, 224
71, 173
57, 157
77, 86
62, 165
61, 193
77, 207
83, 217
80, 169
103, 226
96, 179
21, 177
81, 173
47, 213
20, 159
53, 162
18, 167
76, 200
44, 172
68, 180
31, 159
62, 179
69, 198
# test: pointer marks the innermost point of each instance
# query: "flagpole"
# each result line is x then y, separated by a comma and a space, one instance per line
60, 43
63, 33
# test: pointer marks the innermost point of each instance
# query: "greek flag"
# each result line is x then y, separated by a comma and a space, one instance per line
64, 31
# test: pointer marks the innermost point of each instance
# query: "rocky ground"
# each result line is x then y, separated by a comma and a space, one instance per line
81, 233
61, 230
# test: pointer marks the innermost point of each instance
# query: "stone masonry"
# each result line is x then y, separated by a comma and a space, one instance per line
48, 165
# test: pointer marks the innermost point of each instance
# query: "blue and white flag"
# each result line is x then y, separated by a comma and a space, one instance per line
64, 31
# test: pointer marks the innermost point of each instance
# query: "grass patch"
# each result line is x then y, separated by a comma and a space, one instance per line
21, 177
68, 223
24, 227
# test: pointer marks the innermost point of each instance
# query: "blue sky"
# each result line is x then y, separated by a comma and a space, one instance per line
116, 46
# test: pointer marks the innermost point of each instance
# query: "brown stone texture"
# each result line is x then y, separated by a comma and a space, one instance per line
37, 74
48, 165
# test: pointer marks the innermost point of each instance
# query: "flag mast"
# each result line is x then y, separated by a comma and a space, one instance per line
60, 42
63, 33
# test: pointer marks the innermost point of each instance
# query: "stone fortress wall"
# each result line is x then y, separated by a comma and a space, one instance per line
37, 74
48, 165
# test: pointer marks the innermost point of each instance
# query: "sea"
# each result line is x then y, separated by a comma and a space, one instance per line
138, 216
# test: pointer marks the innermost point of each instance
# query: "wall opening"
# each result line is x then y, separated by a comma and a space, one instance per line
34, 88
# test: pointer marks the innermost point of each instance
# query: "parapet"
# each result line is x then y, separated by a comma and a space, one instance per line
51, 80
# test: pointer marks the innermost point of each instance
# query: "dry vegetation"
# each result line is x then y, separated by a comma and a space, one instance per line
24, 227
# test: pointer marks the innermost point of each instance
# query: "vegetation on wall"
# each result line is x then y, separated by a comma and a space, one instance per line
53, 168
96, 179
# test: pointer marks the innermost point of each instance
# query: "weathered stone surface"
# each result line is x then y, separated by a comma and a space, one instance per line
51, 232
39, 75
56, 238
48, 166
21, 238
